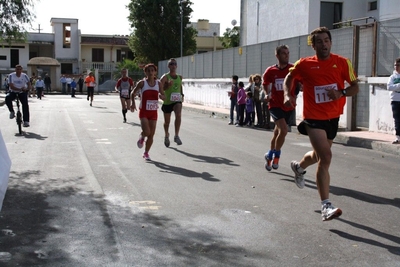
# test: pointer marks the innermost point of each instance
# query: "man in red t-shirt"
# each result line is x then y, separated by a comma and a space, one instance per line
323, 77
273, 86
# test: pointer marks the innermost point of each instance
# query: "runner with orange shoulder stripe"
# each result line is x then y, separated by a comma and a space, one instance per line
323, 77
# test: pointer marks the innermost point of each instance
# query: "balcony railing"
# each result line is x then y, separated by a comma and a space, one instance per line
101, 66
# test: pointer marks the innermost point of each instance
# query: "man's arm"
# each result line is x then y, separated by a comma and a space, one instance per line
182, 88
288, 99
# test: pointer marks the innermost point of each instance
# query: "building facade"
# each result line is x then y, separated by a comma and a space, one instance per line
71, 53
270, 20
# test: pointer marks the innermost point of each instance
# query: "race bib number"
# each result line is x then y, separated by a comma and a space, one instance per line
320, 92
175, 97
279, 84
92, 84
124, 92
152, 105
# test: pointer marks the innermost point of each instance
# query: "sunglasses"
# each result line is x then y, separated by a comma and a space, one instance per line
172, 64
396, 65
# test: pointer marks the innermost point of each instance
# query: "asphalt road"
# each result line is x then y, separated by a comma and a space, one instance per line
80, 194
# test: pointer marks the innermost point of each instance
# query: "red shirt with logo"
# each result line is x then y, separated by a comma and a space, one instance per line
318, 76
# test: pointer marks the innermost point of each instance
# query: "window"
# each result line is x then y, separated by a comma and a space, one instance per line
373, 5
97, 54
330, 13
3, 57
66, 35
66, 68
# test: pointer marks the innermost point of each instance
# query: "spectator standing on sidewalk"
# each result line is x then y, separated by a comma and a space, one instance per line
63, 81
257, 99
69, 80
150, 89
47, 83
39, 87
249, 109
73, 87
172, 85
324, 94
233, 97
241, 102
273, 86
80, 84
393, 86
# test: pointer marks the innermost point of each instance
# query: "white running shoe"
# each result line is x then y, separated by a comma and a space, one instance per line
146, 156
298, 177
329, 212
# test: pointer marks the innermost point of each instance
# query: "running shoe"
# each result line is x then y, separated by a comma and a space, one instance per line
12, 115
124, 120
26, 123
298, 177
268, 162
166, 141
397, 141
146, 156
140, 142
177, 140
275, 163
329, 212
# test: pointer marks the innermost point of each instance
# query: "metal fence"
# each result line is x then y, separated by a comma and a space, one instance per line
372, 47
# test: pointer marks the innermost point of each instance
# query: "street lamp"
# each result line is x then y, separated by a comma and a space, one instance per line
180, 2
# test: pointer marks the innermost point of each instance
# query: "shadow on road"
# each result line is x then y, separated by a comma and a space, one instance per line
31, 135
207, 159
184, 172
395, 239
51, 222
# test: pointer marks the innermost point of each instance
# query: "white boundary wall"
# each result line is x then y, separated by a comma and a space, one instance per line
213, 93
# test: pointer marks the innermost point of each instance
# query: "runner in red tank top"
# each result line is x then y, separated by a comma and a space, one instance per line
150, 90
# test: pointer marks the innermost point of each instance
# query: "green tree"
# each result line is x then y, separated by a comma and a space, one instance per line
134, 71
13, 15
157, 29
231, 37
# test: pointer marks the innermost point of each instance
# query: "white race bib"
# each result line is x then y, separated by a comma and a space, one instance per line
152, 105
279, 84
92, 84
124, 92
175, 97
321, 93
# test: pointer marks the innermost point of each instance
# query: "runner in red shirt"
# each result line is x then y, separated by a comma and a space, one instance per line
273, 86
323, 77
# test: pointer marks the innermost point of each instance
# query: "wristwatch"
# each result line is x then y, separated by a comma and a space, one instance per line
344, 92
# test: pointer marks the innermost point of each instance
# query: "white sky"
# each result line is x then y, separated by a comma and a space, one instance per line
110, 17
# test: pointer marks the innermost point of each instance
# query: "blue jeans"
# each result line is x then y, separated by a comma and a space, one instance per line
396, 116
233, 108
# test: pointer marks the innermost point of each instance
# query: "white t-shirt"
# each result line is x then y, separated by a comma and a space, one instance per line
18, 82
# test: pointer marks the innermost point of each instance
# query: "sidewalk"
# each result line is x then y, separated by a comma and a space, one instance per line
365, 139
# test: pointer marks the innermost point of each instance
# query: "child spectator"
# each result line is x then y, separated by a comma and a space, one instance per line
249, 109
241, 102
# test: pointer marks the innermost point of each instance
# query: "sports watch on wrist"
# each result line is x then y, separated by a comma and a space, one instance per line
344, 92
